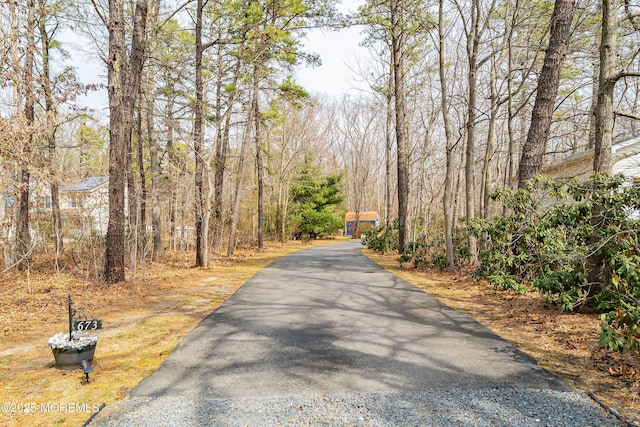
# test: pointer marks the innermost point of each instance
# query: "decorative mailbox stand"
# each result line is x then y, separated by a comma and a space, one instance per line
74, 358
76, 350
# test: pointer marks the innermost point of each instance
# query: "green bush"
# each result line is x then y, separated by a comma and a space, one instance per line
552, 249
315, 198
415, 252
429, 248
507, 241
440, 260
383, 239
621, 328
506, 281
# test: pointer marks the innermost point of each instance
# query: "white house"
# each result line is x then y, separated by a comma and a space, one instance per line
84, 206
84, 211
626, 160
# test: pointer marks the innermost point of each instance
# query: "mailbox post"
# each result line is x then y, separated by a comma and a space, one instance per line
76, 353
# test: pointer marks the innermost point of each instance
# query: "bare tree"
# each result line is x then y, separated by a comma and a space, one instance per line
154, 157
50, 111
223, 127
359, 131
599, 273
449, 164
23, 236
474, 27
257, 74
235, 214
388, 134
202, 229
124, 83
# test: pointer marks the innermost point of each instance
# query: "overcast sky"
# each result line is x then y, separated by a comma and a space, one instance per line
339, 52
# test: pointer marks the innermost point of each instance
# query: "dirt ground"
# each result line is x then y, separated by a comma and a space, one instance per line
145, 319
563, 343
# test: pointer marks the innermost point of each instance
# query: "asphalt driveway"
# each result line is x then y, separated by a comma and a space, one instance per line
327, 321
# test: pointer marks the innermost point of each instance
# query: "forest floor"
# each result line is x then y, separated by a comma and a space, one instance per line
144, 319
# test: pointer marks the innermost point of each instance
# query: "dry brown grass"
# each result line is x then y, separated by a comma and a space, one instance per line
563, 343
143, 321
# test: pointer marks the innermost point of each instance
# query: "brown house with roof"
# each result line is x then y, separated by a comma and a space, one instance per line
369, 217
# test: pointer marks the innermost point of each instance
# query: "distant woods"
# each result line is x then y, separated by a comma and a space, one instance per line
209, 134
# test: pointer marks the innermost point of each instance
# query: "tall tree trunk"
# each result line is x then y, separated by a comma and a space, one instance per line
172, 173
144, 194
132, 199
115, 241
473, 43
51, 132
508, 178
388, 150
602, 160
279, 219
259, 172
235, 214
598, 271
256, 118
23, 237
283, 194
222, 148
154, 158
594, 98
217, 194
9, 231
456, 191
491, 142
449, 171
198, 136
536, 143
154, 161
285, 211
123, 86
283, 204
398, 51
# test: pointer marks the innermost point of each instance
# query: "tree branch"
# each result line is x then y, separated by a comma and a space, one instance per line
172, 14
622, 74
625, 114
100, 15
631, 16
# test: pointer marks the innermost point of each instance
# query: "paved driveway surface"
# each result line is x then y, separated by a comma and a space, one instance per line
327, 321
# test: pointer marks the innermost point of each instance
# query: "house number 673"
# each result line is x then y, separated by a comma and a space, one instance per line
87, 325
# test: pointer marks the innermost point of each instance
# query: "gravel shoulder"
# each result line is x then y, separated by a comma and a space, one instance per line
454, 407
